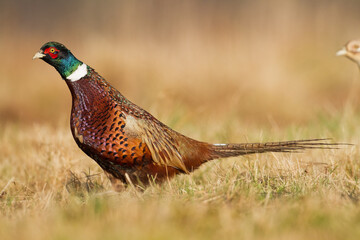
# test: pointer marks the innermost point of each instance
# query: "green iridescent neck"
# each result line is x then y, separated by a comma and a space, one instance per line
67, 66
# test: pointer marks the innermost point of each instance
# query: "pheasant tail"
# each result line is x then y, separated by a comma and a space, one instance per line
232, 150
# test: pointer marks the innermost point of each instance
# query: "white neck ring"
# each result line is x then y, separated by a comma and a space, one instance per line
79, 73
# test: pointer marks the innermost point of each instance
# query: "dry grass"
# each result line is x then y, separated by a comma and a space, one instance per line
218, 71
51, 190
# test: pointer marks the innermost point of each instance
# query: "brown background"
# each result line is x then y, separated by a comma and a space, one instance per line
258, 62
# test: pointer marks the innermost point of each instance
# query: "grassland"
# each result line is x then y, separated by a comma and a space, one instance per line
51, 190
235, 71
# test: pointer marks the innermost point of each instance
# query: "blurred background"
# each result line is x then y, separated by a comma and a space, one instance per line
260, 63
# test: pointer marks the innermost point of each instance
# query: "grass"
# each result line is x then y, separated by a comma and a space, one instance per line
51, 190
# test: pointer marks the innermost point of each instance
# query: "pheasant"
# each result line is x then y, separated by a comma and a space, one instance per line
351, 50
128, 143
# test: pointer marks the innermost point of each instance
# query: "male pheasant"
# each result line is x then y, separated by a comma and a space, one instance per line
351, 50
127, 141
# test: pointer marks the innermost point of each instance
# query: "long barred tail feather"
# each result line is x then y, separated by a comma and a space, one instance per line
236, 149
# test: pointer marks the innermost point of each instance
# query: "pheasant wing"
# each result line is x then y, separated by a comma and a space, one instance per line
162, 142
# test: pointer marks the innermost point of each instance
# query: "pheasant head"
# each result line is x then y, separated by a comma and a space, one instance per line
351, 50
58, 56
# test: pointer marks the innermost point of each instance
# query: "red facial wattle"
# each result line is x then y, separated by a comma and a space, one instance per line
52, 51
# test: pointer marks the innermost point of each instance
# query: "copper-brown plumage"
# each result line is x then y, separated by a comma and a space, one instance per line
125, 139
129, 143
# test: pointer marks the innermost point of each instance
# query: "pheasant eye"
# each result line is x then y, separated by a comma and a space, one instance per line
52, 52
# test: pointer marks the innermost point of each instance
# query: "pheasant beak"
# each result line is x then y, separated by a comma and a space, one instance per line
341, 52
39, 55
